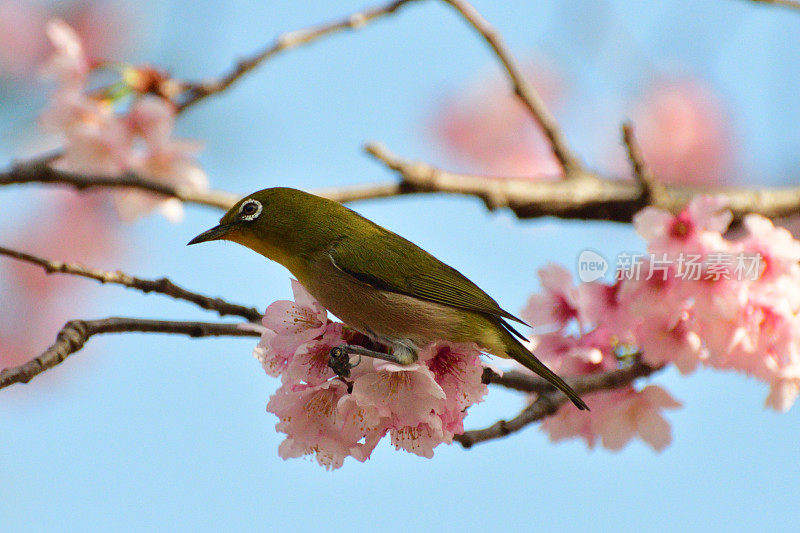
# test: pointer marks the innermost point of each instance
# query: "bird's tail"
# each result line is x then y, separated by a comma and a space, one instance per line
517, 351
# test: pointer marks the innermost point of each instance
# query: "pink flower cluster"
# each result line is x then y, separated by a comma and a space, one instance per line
100, 141
420, 406
749, 324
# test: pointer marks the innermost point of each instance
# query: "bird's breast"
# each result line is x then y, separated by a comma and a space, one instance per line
387, 316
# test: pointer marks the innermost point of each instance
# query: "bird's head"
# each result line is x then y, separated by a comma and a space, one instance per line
279, 223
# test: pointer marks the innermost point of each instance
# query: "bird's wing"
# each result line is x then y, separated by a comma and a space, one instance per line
385, 261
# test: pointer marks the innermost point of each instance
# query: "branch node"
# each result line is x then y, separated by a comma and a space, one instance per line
652, 191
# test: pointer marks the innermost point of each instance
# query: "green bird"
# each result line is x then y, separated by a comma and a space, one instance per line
374, 280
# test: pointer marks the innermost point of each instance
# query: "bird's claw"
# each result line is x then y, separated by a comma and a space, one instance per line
339, 361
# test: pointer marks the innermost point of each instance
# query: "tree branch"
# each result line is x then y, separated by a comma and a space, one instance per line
38, 170
75, 333
592, 199
516, 380
597, 198
548, 402
526, 93
161, 285
200, 90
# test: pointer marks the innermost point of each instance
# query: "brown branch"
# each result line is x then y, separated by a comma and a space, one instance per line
794, 4
652, 191
75, 333
161, 285
516, 380
38, 170
592, 199
526, 93
200, 90
597, 198
548, 402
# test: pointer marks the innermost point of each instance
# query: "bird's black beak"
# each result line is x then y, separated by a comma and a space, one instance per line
215, 233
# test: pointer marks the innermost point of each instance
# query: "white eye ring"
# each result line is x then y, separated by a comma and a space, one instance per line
251, 216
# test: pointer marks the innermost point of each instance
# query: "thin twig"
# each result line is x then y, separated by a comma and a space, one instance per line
75, 333
548, 402
596, 199
652, 191
200, 90
161, 285
524, 90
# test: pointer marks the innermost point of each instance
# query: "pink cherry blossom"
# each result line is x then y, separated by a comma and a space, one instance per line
783, 392
420, 405
570, 354
557, 304
778, 250
295, 322
696, 229
97, 146
639, 413
309, 363
419, 439
617, 416
409, 395
458, 370
323, 420
26, 26
570, 423
273, 361
671, 342
171, 165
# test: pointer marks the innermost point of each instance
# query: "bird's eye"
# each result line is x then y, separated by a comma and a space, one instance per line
250, 210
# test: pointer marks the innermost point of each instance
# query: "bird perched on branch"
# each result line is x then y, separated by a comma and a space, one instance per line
374, 280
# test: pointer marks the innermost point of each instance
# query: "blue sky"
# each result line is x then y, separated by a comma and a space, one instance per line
141, 432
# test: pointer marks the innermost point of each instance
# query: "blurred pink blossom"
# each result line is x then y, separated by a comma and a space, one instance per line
637, 413
104, 29
685, 132
39, 304
488, 128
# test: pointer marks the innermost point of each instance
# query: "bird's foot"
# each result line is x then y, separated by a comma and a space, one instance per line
339, 359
